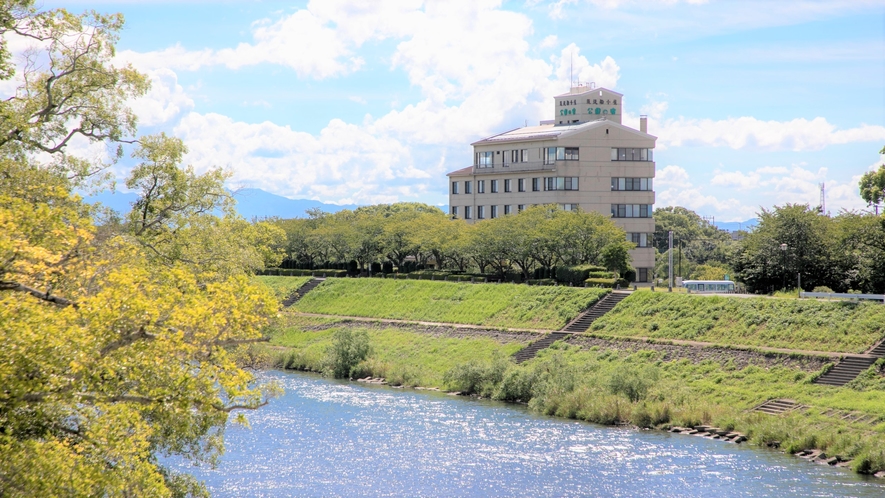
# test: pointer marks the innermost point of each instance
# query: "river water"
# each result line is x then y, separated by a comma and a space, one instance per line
330, 438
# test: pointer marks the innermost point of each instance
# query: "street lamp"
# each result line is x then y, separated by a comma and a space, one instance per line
784, 265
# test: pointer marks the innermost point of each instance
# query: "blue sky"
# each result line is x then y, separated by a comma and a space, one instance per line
755, 103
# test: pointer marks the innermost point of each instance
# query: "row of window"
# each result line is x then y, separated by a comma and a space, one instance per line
631, 210
641, 239
632, 184
549, 155
550, 183
494, 185
493, 210
621, 154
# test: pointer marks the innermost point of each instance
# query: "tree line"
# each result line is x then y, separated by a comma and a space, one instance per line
793, 245
395, 235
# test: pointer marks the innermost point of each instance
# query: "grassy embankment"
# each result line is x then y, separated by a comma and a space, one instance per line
283, 287
609, 387
843, 327
489, 305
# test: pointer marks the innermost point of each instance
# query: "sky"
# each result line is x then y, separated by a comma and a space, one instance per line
755, 103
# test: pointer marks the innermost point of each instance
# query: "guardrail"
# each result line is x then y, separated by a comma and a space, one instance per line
836, 295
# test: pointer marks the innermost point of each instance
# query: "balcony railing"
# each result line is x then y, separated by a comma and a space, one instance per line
479, 169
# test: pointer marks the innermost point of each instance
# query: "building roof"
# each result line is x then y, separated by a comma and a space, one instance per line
585, 89
461, 172
552, 132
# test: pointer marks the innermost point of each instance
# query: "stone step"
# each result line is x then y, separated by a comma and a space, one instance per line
304, 289
845, 371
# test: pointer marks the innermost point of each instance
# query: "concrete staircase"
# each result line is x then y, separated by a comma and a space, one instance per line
846, 370
778, 406
583, 321
304, 289
878, 350
532, 349
579, 324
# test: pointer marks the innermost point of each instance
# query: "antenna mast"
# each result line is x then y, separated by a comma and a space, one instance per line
823, 199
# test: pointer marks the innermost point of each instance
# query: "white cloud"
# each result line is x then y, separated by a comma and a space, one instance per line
736, 179
343, 162
750, 133
671, 175
549, 41
165, 100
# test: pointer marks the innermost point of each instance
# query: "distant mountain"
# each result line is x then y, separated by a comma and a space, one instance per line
733, 226
256, 203
251, 203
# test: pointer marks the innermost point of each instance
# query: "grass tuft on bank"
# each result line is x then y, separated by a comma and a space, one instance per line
843, 327
490, 305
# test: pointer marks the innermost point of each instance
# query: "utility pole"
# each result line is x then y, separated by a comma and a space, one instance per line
670, 262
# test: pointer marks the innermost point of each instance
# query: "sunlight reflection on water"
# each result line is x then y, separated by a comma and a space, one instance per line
327, 438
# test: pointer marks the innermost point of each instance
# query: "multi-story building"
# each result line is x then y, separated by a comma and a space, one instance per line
584, 158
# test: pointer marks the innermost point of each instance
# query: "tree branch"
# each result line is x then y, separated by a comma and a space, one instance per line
43, 296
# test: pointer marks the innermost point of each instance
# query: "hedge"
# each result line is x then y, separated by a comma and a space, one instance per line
606, 282
541, 281
577, 274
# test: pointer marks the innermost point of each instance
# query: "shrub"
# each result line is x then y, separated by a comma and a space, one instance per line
475, 377
577, 274
349, 348
822, 288
632, 382
459, 278
600, 282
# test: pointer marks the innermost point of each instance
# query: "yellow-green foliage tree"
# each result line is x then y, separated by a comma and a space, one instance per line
114, 350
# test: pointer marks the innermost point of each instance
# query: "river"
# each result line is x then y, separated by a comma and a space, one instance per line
331, 438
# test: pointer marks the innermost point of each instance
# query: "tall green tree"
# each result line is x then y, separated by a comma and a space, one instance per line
872, 185
117, 349
809, 238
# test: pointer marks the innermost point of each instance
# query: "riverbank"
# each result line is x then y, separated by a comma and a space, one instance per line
641, 364
612, 381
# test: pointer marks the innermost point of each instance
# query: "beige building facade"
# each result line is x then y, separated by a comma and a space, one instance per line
584, 158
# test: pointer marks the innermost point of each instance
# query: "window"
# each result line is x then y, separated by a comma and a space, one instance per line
549, 155
467, 187
494, 186
507, 209
484, 159
536, 184
454, 187
553, 154
506, 185
631, 210
480, 187
466, 212
642, 275
493, 211
569, 207
643, 184
640, 239
524, 156
480, 212
520, 185
520, 208
561, 183
454, 210
631, 154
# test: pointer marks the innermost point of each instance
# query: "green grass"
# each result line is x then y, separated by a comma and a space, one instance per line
843, 327
492, 305
401, 357
283, 287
